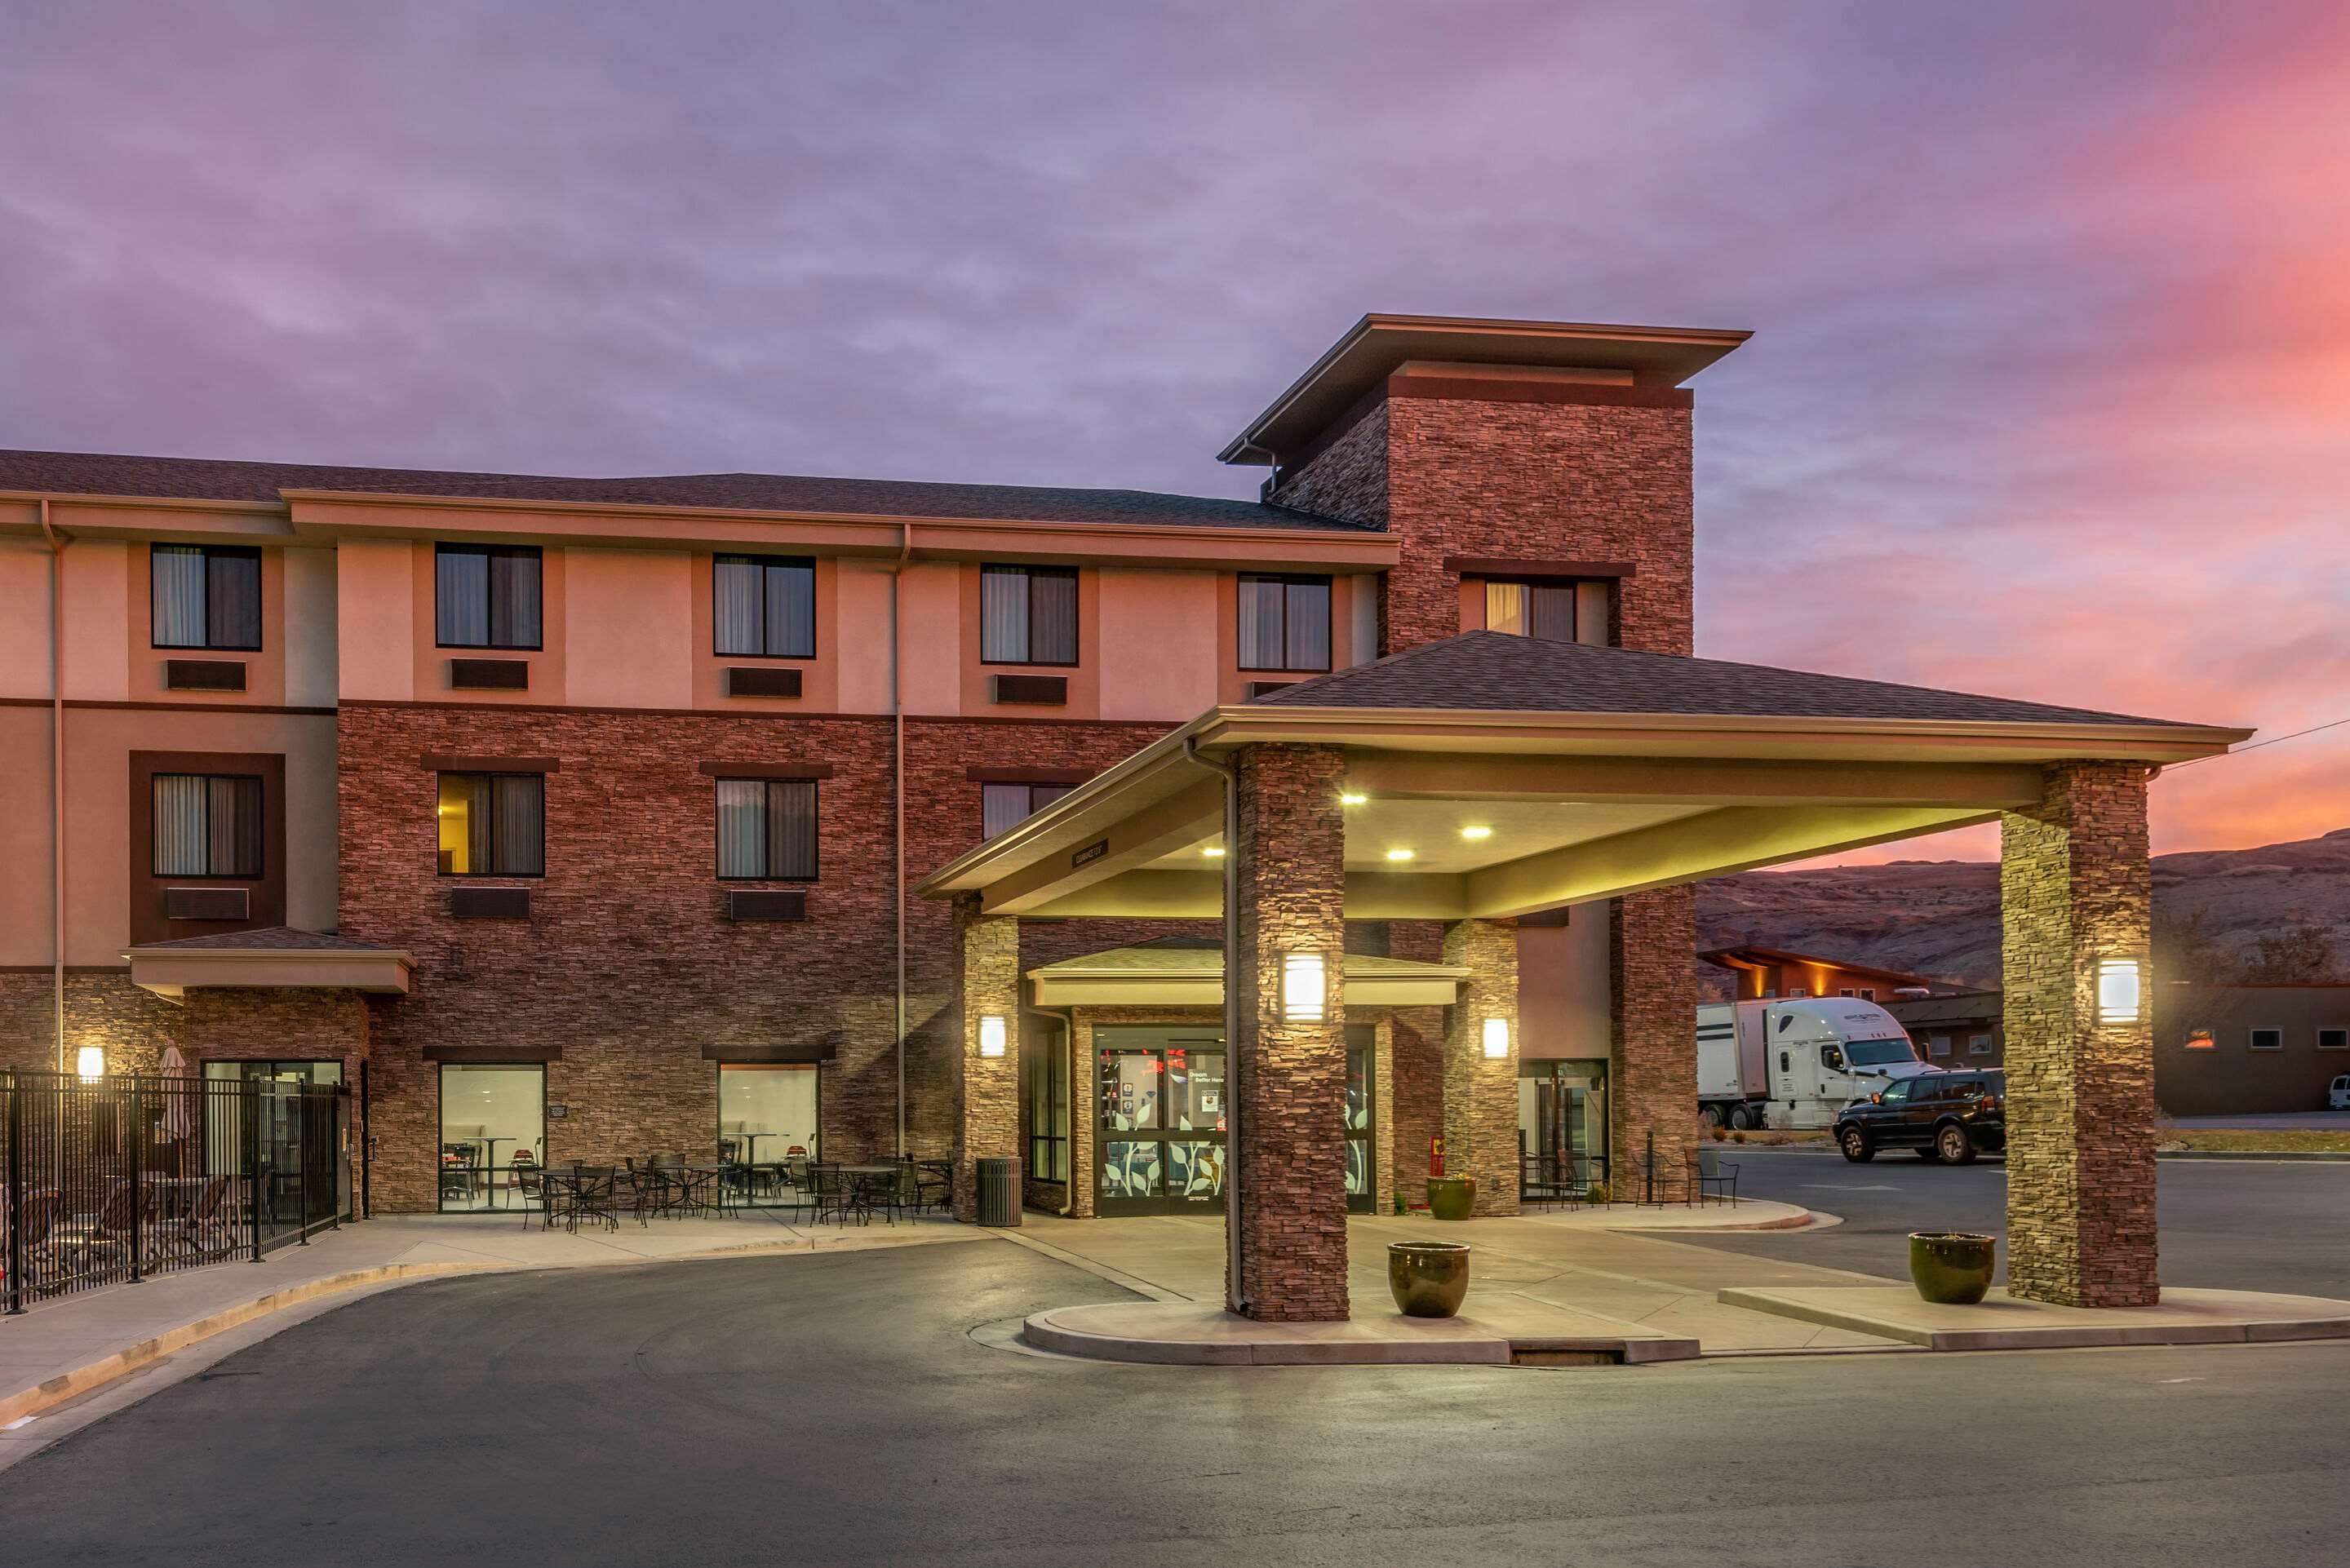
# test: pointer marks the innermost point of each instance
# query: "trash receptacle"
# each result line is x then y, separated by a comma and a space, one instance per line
999, 1192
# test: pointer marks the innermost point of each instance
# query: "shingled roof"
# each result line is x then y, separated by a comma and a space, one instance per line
1493, 672
265, 940
206, 479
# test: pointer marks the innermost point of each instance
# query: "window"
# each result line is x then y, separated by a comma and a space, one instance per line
1845, 990
1937, 1045
764, 606
1978, 1045
1869, 993
2333, 1040
766, 828
1546, 611
1007, 805
492, 824
1284, 622
2268, 1040
487, 596
206, 595
2200, 1040
1048, 1114
1028, 615
1895, 1093
207, 825
1794, 991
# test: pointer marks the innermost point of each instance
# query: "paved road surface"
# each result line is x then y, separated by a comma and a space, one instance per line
832, 1410
2248, 1226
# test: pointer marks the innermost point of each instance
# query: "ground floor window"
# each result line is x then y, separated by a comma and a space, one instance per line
493, 1134
1159, 1127
1362, 1181
1048, 1113
768, 1117
277, 1143
1562, 1123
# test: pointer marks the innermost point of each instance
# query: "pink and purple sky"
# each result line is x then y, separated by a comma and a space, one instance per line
2050, 394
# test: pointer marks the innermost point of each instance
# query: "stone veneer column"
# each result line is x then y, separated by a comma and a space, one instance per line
2076, 888
1481, 1093
987, 1088
1289, 1079
1652, 1033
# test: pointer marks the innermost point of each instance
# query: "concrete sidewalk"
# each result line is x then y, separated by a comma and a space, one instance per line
65, 1347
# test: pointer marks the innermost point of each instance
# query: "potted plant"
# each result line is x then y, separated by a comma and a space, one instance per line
1452, 1197
1427, 1279
1952, 1268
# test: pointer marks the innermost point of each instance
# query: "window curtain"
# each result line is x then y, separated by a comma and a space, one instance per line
791, 827
741, 624
1004, 615
1053, 616
1260, 623
1550, 612
1505, 608
517, 807
741, 827
514, 598
1002, 806
461, 585
180, 841
232, 599
1309, 627
179, 596
791, 611
233, 808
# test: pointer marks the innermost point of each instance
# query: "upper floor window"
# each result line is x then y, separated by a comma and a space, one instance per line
767, 828
487, 596
1028, 615
1005, 806
1284, 622
207, 825
492, 824
206, 595
765, 606
1546, 611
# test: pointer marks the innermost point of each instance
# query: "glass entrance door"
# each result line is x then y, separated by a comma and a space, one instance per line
1562, 1125
768, 1117
1362, 1185
1160, 1138
493, 1134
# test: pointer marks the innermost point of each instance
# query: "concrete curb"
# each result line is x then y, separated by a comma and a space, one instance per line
1344, 1344
2065, 1336
77, 1381
2281, 1156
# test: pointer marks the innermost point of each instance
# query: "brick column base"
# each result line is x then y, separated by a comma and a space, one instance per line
987, 1088
1481, 1092
1652, 1034
2074, 889
1289, 1078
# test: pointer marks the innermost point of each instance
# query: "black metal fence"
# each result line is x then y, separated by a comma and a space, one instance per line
110, 1181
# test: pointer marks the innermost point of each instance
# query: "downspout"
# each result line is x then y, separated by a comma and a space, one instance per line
1234, 1301
897, 800
56, 774
1067, 1018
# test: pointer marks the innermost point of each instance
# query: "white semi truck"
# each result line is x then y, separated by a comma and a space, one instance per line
1796, 1062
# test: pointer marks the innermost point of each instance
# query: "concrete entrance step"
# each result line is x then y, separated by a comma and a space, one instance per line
2187, 1316
1508, 1330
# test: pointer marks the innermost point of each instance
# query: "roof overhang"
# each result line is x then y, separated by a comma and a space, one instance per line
1599, 805
172, 971
1184, 978
1377, 345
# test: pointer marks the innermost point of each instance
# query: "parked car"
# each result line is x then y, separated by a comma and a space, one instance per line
2337, 1097
1948, 1116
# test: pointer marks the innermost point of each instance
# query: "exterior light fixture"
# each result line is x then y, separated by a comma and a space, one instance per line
2120, 986
1478, 833
1213, 852
1398, 854
991, 1035
89, 1063
1351, 798
1304, 988
1497, 1038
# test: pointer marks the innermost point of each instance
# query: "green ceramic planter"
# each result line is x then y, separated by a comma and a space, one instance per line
1429, 1279
1452, 1197
1951, 1267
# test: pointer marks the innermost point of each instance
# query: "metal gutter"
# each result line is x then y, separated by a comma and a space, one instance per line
1235, 1299
56, 774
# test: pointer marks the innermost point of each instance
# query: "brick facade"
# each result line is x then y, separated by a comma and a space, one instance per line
985, 1090
266, 1024
1652, 1034
1287, 1078
1481, 1093
135, 1027
2076, 888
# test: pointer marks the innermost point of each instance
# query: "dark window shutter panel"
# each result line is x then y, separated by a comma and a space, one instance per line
490, 903
489, 674
757, 681
766, 904
204, 674
1050, 690
207, 904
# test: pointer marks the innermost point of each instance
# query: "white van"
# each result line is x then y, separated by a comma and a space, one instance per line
1796, 1063
2337, 1097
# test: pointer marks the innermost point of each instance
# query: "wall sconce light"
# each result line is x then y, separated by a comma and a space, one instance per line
89, 1063
1213, 852
1398, 854
2120, 982
1303, 988
1497, 1039
1477, 833
1350, 798
991, 1035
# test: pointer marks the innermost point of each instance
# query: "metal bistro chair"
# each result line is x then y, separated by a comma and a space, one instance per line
826, 1194
595, 1189
1723, 1185
934, 1185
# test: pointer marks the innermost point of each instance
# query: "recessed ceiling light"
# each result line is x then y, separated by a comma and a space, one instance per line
1398, 854
1213, 852
1477, 833
1351, 798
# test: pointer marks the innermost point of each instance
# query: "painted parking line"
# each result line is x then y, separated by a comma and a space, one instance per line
1849, 1187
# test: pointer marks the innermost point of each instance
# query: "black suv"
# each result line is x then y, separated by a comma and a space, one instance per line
1949, 1117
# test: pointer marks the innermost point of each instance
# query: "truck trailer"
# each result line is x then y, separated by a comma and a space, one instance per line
1796, 1062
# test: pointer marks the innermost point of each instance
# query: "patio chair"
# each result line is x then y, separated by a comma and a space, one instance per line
37, 1216
204, 1233
595, 1189
1723, 1185
118, 1219
934, 1185
825, 1191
